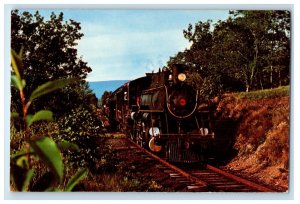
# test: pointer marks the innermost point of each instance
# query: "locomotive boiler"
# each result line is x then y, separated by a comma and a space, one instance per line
161, 112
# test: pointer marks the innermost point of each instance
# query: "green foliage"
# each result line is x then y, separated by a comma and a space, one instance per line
41, 115
50, 86
14, 115
64, 145
50, 63
39, 149
50, 54
81, 127
80, 174
210, 87
28, 178
15, 81
48, 152
248, 51
195, 80
71, 97
16, 62
105, 96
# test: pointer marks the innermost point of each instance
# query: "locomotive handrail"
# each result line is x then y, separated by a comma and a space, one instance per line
152, 111
180, 117
153, 89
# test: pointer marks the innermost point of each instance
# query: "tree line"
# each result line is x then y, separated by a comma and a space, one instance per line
248, 51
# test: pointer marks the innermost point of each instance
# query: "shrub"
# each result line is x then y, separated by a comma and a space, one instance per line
81, 127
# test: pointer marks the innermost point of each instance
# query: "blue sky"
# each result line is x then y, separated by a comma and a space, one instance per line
124, 44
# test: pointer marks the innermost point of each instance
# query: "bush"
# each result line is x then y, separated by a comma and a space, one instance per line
81, 127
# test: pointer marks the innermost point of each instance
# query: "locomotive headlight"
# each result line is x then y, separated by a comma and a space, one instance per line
181, 77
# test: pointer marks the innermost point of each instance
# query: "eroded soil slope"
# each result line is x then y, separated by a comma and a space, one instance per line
261, 137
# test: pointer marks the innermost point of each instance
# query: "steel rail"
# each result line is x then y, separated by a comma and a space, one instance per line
180, 171
204, 183
240, 180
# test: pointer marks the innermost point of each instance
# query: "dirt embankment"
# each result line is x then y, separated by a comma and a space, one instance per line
261, 138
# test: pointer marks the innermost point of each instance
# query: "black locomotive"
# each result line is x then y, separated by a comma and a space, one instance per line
160, 111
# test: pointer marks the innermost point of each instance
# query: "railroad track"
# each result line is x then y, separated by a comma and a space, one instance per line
211, 179
221, 181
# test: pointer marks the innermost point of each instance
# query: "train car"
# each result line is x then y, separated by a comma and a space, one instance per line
160, 111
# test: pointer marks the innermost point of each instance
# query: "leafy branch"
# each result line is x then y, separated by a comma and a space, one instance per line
43, 148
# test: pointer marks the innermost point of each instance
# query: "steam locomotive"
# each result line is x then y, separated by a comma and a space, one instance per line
163, 113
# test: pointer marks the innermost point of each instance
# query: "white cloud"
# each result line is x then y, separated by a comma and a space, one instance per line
107, 54
127, 43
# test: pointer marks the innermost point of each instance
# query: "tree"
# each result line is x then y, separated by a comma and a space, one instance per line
233, 54
105, 96
198, 57
199, 54
49, 52
271, 33
250, 50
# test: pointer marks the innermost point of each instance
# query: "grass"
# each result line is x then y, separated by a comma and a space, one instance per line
267, 93
124, 178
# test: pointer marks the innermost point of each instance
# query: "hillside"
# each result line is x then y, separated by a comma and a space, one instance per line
99, 87
261, 134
